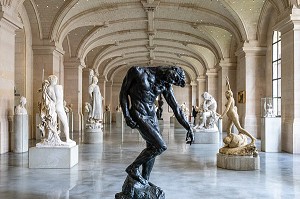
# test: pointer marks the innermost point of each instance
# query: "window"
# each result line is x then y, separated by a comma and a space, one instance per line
276, 73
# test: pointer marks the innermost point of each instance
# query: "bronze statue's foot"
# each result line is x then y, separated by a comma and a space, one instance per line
135, 174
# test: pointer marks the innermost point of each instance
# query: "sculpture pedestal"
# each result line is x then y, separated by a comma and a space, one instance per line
206, 136
161, 122
239, 163
20, 137
271, 134
107, 117
53, 157
119, 120
219, 124
93, 134
133, 189
172, 120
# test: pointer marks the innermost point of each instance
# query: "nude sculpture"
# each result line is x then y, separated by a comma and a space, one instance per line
233, 117
143, 85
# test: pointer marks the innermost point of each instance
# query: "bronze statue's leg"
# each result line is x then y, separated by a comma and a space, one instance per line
243, 131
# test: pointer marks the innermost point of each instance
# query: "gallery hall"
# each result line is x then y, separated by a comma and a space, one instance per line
97, 94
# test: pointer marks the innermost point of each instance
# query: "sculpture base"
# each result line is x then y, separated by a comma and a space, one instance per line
161, 122
119, 120
206, 136
133, 189
239, 163
93, 136
271, 134
53, 157
107, 117
172, 120
20, 138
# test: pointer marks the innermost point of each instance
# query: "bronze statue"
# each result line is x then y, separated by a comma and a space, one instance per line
143, 85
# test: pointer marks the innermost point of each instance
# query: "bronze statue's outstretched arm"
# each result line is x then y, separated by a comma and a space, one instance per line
124, 101
169, 96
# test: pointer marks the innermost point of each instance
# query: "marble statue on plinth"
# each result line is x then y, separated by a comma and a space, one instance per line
207, 115
185, 110
236, 144
139, 90
20, 109
50, 107
96, 113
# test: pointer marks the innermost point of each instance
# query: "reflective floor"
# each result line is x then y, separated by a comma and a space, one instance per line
183, 171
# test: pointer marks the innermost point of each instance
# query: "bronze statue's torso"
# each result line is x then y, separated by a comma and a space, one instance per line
144, 91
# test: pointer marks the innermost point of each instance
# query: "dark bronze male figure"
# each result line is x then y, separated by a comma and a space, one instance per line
143, 85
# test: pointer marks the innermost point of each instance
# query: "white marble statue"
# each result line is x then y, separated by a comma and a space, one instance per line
185, 110
107, 107
20, 109
269, 112
207, 115
67, 110
118, 108
51, 107
96, 113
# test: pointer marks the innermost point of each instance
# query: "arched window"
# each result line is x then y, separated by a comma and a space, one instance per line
276, 73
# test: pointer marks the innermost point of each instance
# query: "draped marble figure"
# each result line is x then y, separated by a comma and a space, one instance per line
96, 114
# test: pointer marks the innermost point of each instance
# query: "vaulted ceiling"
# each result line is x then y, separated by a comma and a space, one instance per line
112, 35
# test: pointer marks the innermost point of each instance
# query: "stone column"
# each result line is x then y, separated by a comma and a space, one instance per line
73, 89
212, 82
47, 60
227, 68
201, 86
8, 26
85, 85
193, 92
290, 82
108, 94
251, 79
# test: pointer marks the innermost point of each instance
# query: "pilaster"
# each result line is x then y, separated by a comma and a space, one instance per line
290, 82
73, 89
212, 82
251, 79
201, 86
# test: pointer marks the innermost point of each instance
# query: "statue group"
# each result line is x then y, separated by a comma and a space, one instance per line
51, 107
140, 88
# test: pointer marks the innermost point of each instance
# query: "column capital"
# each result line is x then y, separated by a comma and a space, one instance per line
46, 49
200, 79
251, 48
73, 63
211, 72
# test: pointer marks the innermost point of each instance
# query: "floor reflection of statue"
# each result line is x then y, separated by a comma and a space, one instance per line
50, 107
159, 110
142, 85
207, 115
96, 113
235, 140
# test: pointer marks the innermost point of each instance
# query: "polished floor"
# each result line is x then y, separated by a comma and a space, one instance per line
183, 172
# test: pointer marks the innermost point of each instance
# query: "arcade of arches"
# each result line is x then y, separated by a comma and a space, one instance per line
209, 39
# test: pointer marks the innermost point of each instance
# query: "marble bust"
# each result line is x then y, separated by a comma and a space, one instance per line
20, 109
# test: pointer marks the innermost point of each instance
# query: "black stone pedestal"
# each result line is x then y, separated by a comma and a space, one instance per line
133, 189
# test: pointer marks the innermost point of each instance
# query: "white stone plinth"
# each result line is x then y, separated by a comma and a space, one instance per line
93, 136
271, 134
107, 117
206, 136
239, 163
172, 120
161, 122
119, 120
20, 138
53, 157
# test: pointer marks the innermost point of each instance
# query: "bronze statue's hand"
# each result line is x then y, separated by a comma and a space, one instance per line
190, 137
132, 124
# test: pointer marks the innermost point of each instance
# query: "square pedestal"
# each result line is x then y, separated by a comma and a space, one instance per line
53, 157
107, 117
20, 135
119, 120
271, 134
238, 163
206, 137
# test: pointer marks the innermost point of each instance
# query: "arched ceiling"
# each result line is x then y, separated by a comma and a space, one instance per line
112, 35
